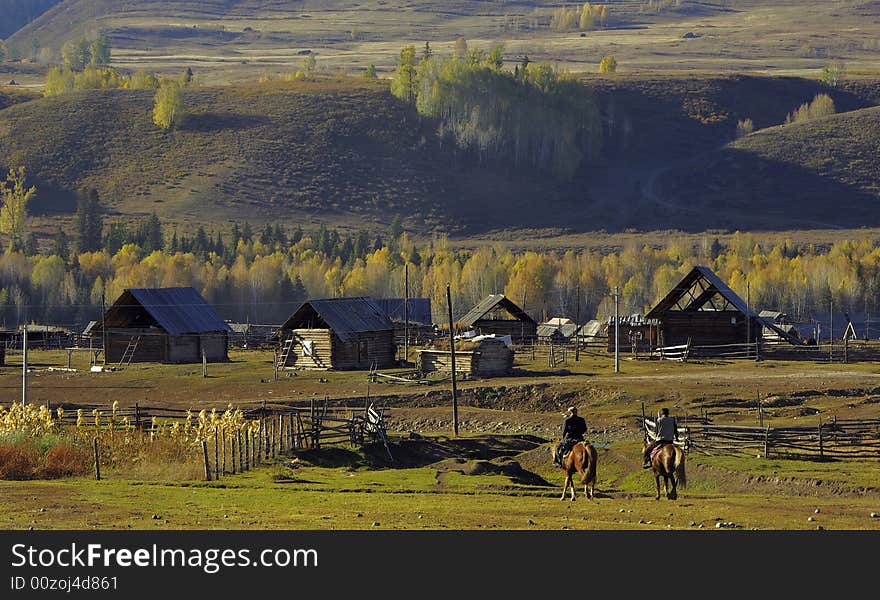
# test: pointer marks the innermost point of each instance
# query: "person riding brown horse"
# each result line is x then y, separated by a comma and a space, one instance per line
581, 459
667, 433
668, 463
573, 429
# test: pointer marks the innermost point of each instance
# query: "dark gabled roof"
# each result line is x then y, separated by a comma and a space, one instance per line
418, 310
492, 302
176, 310
345, 316
709, 287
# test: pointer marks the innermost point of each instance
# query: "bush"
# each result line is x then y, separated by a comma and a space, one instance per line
64, 460
47, 457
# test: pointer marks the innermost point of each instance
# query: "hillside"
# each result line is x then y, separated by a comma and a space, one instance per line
283, 151
18, 13
820, 173
346, 152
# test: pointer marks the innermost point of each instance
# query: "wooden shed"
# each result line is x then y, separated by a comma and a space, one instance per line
169, 325
337, 333
704, 311
557, 331
478, 357
498, 315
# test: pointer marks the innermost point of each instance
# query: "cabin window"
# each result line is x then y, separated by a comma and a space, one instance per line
362, 350
308, 348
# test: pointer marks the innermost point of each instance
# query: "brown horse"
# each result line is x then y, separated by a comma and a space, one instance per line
581, 459
668, 462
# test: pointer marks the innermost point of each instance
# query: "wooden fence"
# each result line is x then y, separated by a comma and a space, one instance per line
276, 430
837, 439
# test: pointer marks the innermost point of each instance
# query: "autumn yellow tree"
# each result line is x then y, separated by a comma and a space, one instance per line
608, 65
13, 209
167, 105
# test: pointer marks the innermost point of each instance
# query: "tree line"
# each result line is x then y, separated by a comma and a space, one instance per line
262, 274
531, 117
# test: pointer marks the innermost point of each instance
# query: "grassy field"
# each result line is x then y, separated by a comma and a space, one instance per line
231, 42
496, 474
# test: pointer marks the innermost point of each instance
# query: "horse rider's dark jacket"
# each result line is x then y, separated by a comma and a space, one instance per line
573, 430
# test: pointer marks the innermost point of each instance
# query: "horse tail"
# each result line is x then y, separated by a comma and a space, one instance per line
591, 456
679, 468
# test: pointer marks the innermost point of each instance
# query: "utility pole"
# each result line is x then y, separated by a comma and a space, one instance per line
577, 324
405, 313
616, 330
452, 363
103, 329
748, 318
24, 359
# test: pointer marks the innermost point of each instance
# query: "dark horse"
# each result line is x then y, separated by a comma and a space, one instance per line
668, 462
581, 459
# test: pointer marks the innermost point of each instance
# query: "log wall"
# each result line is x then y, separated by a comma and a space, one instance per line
365, 350
705, 328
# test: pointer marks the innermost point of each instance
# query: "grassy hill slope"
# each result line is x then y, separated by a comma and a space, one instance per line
18, 13
283, 151
811, 174
345, 151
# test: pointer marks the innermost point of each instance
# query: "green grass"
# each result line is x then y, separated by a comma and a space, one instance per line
343, 498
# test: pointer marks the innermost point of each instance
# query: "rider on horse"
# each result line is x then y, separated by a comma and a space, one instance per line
667, 430
573, 430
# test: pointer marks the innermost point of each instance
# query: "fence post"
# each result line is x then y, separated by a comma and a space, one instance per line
280, 433
97, 461
821, 444
205, 455
241, 467
767, 442
232, 451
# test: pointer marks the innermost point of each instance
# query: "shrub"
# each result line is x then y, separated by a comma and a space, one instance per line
18, 459
64, 460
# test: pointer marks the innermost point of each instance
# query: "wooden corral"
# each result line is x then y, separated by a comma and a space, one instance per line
483, 358
251, 335
635, 334
38, 336
168, 325
498, 315
337, 333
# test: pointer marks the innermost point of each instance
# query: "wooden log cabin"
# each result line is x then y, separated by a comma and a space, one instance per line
485, 357
497, 314
337, 333
703, 310
167, 325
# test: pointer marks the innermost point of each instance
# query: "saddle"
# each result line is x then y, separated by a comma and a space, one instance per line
658, 448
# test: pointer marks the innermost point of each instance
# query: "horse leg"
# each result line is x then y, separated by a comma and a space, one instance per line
673, 495
657, 480
568, 483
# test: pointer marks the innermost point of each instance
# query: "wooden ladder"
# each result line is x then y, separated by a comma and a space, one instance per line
285, 352
129, 352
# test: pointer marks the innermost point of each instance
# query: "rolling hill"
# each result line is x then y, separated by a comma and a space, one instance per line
18, 13
344, 151
813, 174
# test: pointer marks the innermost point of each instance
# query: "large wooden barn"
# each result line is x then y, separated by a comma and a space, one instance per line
499, 315
337, 333
168, 325
704, 311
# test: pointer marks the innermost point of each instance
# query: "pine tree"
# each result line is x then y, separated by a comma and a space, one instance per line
89, 221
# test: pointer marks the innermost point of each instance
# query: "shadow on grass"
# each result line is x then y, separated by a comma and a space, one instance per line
212, 122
